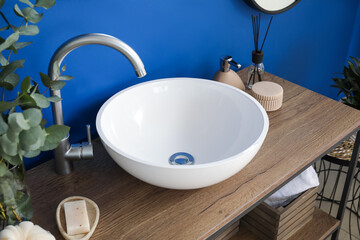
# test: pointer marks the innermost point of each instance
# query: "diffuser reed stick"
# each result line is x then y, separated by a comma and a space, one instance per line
257, 54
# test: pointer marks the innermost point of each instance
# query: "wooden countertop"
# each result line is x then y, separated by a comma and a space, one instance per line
305, 128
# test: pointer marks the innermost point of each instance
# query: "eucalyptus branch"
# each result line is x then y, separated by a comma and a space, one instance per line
7, 22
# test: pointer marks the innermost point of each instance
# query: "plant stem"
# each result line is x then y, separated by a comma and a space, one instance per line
7, 22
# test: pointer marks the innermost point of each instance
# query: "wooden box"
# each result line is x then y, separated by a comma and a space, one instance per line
269, 223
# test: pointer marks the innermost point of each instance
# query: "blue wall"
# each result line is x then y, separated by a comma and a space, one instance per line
306, 45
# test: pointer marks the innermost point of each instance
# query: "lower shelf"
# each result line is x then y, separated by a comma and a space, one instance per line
320, 227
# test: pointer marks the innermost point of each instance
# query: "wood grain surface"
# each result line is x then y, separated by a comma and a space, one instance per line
303, 129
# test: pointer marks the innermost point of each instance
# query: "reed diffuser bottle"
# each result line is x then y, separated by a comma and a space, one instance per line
256, 68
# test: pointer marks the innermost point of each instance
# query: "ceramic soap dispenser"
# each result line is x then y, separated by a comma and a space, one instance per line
228, 76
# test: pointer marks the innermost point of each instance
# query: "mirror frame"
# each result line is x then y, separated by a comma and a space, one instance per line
253, 4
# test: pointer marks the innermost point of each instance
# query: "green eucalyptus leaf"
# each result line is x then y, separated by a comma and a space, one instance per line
3, 169
10, 81
3, 125
45, 3
45, 79
28, 3
8, 192
54, 99
13, 135
19, 45
40, 100
55, 133
32, 139
28, 30
25, 84
31, 154
56, 69
57, 85
65, 78
31, 15
27, 101
9, 41
23, 205
63, 68
33, 116
17, 11
8, 147
17, 122
34, 88
2, 3
4, 106
3, 60
10, 68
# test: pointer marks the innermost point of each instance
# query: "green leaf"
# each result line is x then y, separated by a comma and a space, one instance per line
28, 3
8, 147
34, 88
10, 41
41, 101
28, 30
63, 68
57, 85
33, 116
14, 160
27, 101
45, 79
2, 3
3, 60
13, 135
19, 45
17, 122
56, 70
54, 99
11, 67
10, 81
45, 3
4, 106
25, 84
32, 139
3, 125
17, 11
65, 78
353, 68
55, 133
31, 154
31, 15
3, 169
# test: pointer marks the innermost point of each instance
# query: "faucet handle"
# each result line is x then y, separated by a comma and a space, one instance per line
88, 132
87, 148
225, 63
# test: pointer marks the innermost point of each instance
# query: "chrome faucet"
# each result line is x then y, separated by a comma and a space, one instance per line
65, 153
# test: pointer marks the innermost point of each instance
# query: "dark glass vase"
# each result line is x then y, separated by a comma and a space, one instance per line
14, 198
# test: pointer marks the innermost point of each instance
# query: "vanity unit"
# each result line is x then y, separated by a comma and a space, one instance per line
306, 127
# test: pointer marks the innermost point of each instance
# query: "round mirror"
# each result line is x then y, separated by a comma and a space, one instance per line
272, 6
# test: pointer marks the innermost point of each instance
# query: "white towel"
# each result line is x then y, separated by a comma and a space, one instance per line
304, 181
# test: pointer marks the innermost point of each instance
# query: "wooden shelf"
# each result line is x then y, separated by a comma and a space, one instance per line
320, 227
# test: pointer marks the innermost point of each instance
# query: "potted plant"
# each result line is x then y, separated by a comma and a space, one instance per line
23, 130
349, 85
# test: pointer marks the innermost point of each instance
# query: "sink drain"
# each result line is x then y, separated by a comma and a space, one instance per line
181, 158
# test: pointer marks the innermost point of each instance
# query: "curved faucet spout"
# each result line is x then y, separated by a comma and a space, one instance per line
65, 153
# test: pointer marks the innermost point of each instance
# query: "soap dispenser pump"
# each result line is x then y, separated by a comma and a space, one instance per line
228, 76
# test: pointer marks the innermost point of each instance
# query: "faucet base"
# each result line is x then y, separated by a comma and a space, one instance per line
62, 165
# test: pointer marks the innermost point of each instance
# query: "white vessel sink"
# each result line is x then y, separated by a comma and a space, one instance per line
182, 133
